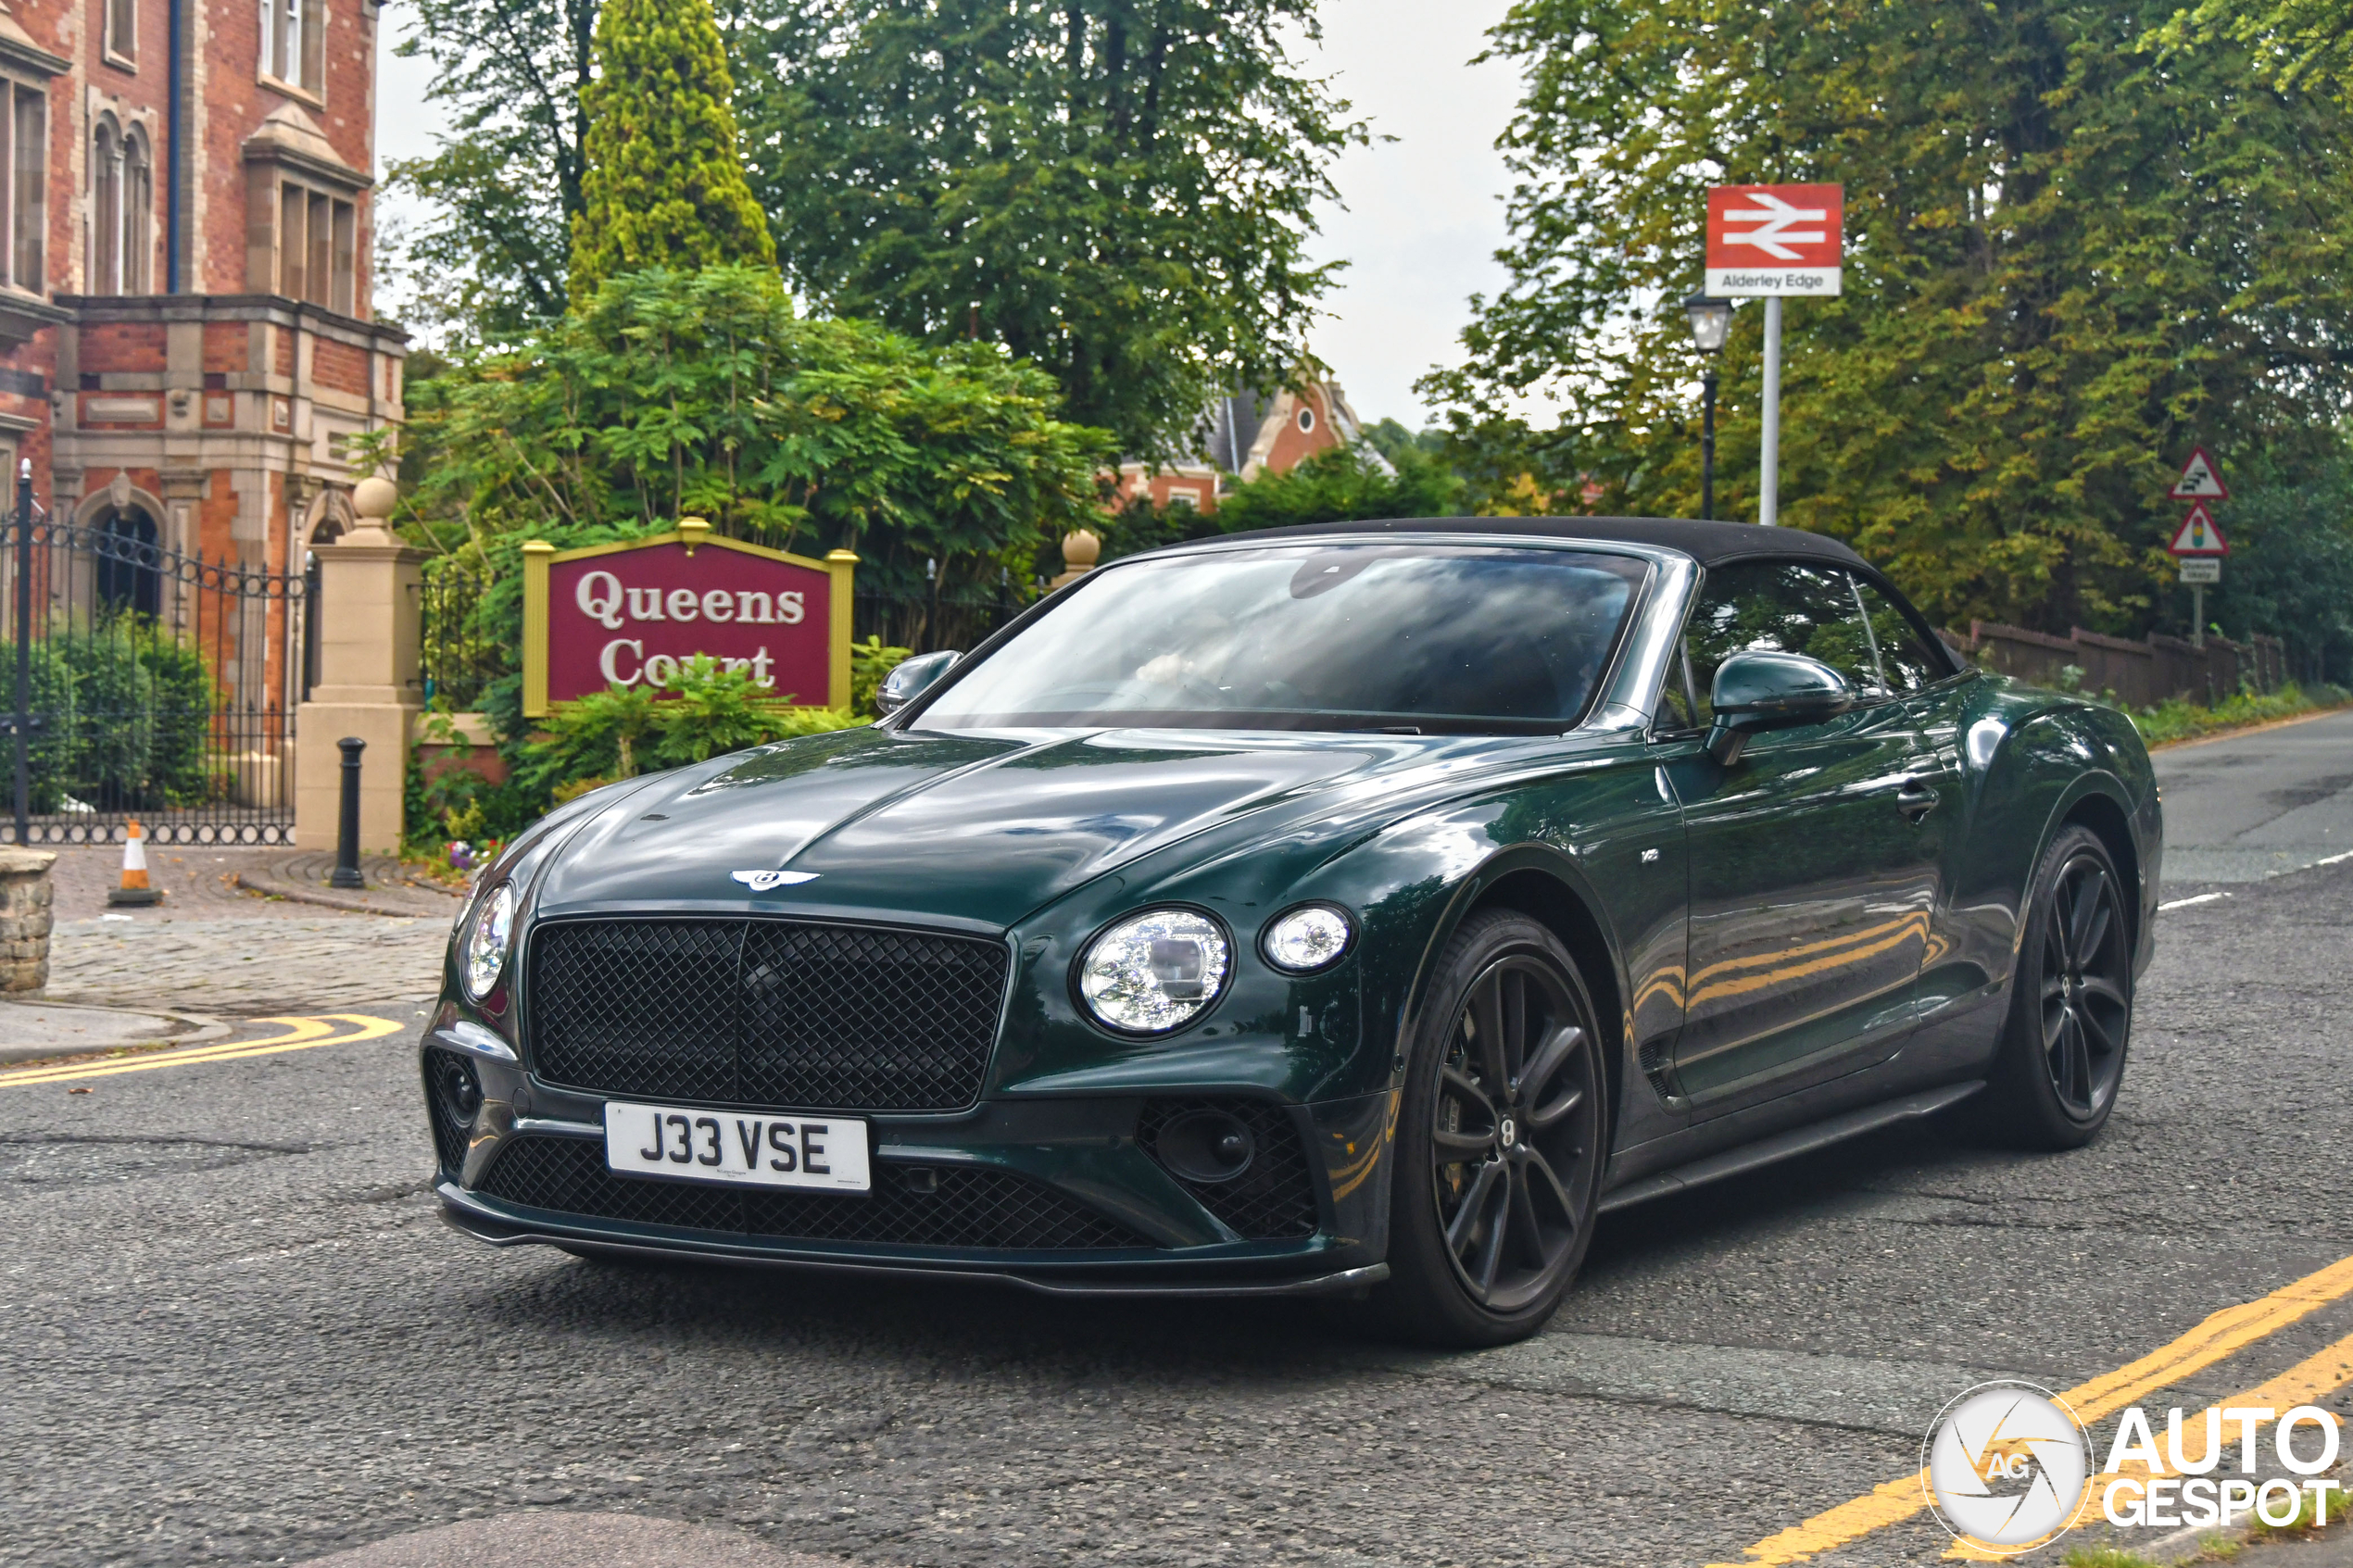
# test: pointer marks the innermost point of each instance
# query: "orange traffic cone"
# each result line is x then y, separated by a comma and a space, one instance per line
134, 888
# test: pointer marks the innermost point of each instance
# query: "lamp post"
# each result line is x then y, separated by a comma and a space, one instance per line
1711, 319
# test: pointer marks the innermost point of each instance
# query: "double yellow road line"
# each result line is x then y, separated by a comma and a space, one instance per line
2222, 1335
300, 1035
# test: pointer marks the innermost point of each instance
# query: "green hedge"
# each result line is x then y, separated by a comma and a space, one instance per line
127, 717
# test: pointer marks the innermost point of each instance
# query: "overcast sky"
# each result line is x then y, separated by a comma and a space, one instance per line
1420, 217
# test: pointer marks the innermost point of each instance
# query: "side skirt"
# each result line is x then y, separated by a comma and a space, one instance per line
1789, 1145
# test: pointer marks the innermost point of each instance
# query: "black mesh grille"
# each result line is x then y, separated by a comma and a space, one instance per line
765, 1012
449, 1136
1274, 1198
968, 1206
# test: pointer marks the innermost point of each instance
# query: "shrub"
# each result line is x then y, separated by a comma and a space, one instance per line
127, 714
623, 731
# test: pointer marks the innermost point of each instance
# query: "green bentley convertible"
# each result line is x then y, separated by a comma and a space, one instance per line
1361, 910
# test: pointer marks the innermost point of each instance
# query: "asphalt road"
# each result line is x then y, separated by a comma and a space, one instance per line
2250, 807
235, 1332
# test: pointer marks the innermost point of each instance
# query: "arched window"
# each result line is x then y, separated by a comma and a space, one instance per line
138, 213
128, 563
106, 208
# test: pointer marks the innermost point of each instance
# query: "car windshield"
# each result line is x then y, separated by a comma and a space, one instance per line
1401, 637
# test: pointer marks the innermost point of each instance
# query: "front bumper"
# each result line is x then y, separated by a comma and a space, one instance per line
1098, 1212
466, 1213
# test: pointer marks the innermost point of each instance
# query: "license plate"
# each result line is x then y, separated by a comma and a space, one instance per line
737, 1148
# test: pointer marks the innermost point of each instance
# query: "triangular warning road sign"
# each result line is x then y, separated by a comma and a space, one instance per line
2200, 481
2198, 535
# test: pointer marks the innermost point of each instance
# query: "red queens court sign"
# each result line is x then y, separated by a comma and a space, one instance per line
629, 615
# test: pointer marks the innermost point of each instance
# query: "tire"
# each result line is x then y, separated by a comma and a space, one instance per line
2061, 1059
1491, 1207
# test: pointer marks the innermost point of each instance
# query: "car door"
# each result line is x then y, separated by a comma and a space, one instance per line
1810, 886
1925, 679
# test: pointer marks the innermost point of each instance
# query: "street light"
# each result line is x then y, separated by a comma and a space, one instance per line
1711, 320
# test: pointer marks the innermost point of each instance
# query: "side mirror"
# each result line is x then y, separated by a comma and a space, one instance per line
1757, 691
907, 682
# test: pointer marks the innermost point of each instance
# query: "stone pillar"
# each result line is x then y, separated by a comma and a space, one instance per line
24, 921
1081, 550
370, 625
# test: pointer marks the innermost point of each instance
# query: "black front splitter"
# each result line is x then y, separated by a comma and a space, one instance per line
500, 1230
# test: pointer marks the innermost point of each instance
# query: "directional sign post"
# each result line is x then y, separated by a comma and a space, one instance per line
2199, 543
1769, 242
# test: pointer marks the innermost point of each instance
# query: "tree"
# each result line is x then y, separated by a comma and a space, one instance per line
1343, 484
2291, 567
1120, 191
501, 192
662, 186
672, 394
2074, 251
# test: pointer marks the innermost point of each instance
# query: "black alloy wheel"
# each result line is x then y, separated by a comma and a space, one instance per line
2085, 973
2054, 1079
1500, 1140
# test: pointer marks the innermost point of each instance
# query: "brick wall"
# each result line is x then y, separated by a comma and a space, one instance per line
227, 348
339, 366
123, 347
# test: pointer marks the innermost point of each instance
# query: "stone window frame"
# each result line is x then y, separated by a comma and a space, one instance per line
120, 211
294, 32
21, 90
119, 43
300, 205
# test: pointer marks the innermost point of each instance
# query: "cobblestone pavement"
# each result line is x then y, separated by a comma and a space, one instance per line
211, 948
246, 966
198, 883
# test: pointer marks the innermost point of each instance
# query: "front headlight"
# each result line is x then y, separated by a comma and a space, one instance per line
486, 945
1154, 971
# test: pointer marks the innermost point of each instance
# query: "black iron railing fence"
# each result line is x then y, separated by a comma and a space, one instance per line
141, 681
458, 657
926, 623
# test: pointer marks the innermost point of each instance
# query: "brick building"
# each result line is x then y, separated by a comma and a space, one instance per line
1245, 435
185, 341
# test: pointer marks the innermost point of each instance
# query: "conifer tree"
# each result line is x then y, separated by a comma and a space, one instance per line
663, 187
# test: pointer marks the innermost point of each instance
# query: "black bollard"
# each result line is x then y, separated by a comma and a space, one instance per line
347, 832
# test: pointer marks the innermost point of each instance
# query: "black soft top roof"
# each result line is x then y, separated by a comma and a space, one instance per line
1706, 542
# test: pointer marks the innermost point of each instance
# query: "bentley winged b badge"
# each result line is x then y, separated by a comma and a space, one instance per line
760, 882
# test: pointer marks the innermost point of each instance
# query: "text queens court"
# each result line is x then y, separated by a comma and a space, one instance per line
631, 614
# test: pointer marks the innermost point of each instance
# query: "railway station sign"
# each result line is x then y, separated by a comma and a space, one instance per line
1765, 241
631, 614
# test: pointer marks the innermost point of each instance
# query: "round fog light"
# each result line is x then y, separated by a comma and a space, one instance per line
460, 1091
1206, 1146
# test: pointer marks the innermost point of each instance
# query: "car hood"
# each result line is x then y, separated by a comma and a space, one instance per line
980, 828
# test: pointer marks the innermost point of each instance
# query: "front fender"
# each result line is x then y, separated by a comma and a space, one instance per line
2036, 759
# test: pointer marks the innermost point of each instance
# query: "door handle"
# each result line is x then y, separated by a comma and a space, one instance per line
1916, 799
